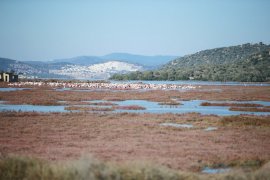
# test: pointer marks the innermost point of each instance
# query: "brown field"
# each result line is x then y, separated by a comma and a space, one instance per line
128, 137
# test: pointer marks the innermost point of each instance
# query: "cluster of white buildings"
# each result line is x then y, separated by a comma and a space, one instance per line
112, 86
101, 70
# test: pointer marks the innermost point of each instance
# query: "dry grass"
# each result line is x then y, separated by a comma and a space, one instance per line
238, 121
16, 167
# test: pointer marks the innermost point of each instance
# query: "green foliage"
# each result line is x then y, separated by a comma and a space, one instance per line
245, 63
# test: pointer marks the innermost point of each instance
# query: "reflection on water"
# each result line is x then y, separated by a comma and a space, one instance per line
150, 107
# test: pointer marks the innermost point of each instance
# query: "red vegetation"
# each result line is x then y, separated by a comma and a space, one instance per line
121, 137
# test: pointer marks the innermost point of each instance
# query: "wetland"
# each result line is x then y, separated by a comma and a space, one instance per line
186, 131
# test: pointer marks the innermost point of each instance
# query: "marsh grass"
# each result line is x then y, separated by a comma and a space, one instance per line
238, 121
16, 167
130, 107
102, 103
250, 109
21, 114
170, 103
84, 108
231, 104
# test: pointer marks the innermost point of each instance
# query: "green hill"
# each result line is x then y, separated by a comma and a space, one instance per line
247, 62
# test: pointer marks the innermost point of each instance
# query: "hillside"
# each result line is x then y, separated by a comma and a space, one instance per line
146, 61
150, 61
20, 67
247, 62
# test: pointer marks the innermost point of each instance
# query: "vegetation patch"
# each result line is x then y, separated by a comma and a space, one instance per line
16, 167
113, 99
130, 107
231, 104
250, 109
170, 103
102, 103
87, 108
245, 121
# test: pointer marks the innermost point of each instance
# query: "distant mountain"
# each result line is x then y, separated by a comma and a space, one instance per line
247, 62
147, 61
81, 60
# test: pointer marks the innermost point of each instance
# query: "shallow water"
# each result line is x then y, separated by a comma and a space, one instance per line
177, 125
188, 107
30, 108
12, 89
211, 128
151, 107
208, 170
63, 89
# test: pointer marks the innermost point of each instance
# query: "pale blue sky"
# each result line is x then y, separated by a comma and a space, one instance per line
51, 29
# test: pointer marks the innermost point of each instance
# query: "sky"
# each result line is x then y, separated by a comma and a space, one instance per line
52, 29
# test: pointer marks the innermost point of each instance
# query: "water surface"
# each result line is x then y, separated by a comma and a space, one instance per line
209, 170
150, 107
12, 89
188, 107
